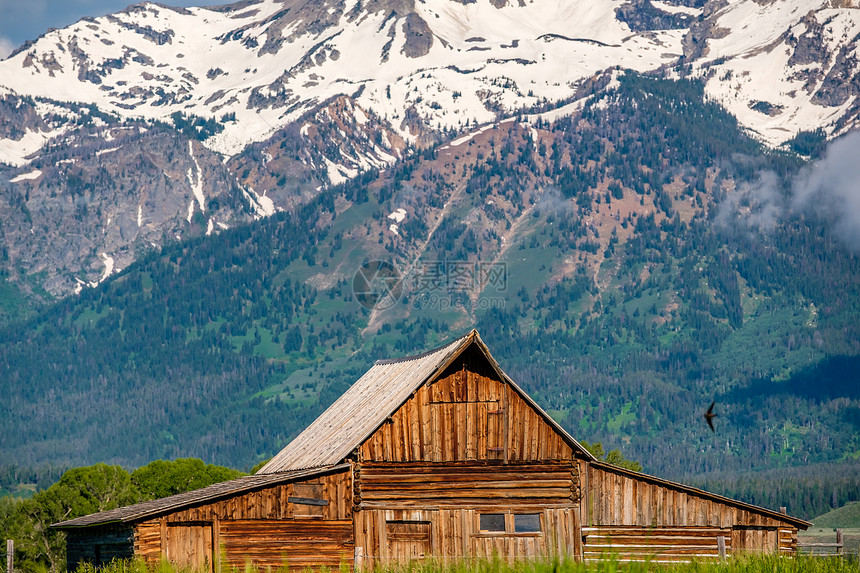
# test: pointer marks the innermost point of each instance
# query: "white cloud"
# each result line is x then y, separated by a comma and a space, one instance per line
828, 188
832, 186
6, 47
757, 204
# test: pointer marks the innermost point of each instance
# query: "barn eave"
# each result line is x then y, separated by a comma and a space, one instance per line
154, 508
795, 521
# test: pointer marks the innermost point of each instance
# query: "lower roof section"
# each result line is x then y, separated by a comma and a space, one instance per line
795, 521
147, 509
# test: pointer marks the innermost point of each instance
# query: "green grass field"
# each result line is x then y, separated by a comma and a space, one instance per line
851, 537
847, 516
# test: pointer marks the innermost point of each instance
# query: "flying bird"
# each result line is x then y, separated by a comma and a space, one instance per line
709, 416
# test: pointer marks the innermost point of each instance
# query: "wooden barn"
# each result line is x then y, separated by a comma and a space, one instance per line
439, 454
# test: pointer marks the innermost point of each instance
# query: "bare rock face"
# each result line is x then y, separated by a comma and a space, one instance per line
695, 42
88, 208
842, 81
333, 143
311, 17
419, 36
642, 15
809, 47
18, 116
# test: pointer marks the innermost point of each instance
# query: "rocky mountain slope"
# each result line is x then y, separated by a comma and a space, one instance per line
623, 261
219, 115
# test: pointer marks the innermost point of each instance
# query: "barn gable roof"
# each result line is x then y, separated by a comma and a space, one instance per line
374, 398
146, 509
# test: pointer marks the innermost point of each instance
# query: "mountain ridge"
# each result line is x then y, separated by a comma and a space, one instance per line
294, 96
624, 300
656, 221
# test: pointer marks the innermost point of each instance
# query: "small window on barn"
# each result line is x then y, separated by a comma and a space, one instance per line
527, 523
493, 522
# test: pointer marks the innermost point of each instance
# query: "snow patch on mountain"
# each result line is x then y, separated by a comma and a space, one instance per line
398, 215
263, 206
754, 69
35, 174
16, 152
673, 9
195, 179
109, 266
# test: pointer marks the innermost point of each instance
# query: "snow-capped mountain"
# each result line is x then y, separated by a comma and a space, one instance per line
420, 66
435, 64
781, 67
286, 96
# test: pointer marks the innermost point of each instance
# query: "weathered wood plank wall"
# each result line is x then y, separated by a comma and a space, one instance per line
465, 416
298, 543
613, 499
190, 546
465, 445
299, 524
274, 502
455, 533
465, 484
658, 543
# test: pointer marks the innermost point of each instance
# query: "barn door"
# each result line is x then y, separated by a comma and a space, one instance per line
190, 545
408, 539
752, 538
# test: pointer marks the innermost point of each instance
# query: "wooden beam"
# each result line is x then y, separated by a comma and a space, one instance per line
307, 501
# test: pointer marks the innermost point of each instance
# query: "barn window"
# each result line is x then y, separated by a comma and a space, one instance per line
527, 523
493, 522
509, 523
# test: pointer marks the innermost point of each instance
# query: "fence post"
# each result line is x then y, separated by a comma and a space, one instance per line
721, 547
840, 542
10, 555
358, 564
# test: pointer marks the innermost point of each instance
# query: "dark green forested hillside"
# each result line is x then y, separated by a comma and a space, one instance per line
628, 304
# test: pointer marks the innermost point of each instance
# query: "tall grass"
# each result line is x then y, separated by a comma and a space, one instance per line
746, 564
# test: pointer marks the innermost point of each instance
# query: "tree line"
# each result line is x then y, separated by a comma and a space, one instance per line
85, 490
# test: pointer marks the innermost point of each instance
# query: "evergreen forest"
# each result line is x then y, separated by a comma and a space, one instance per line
626, 265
